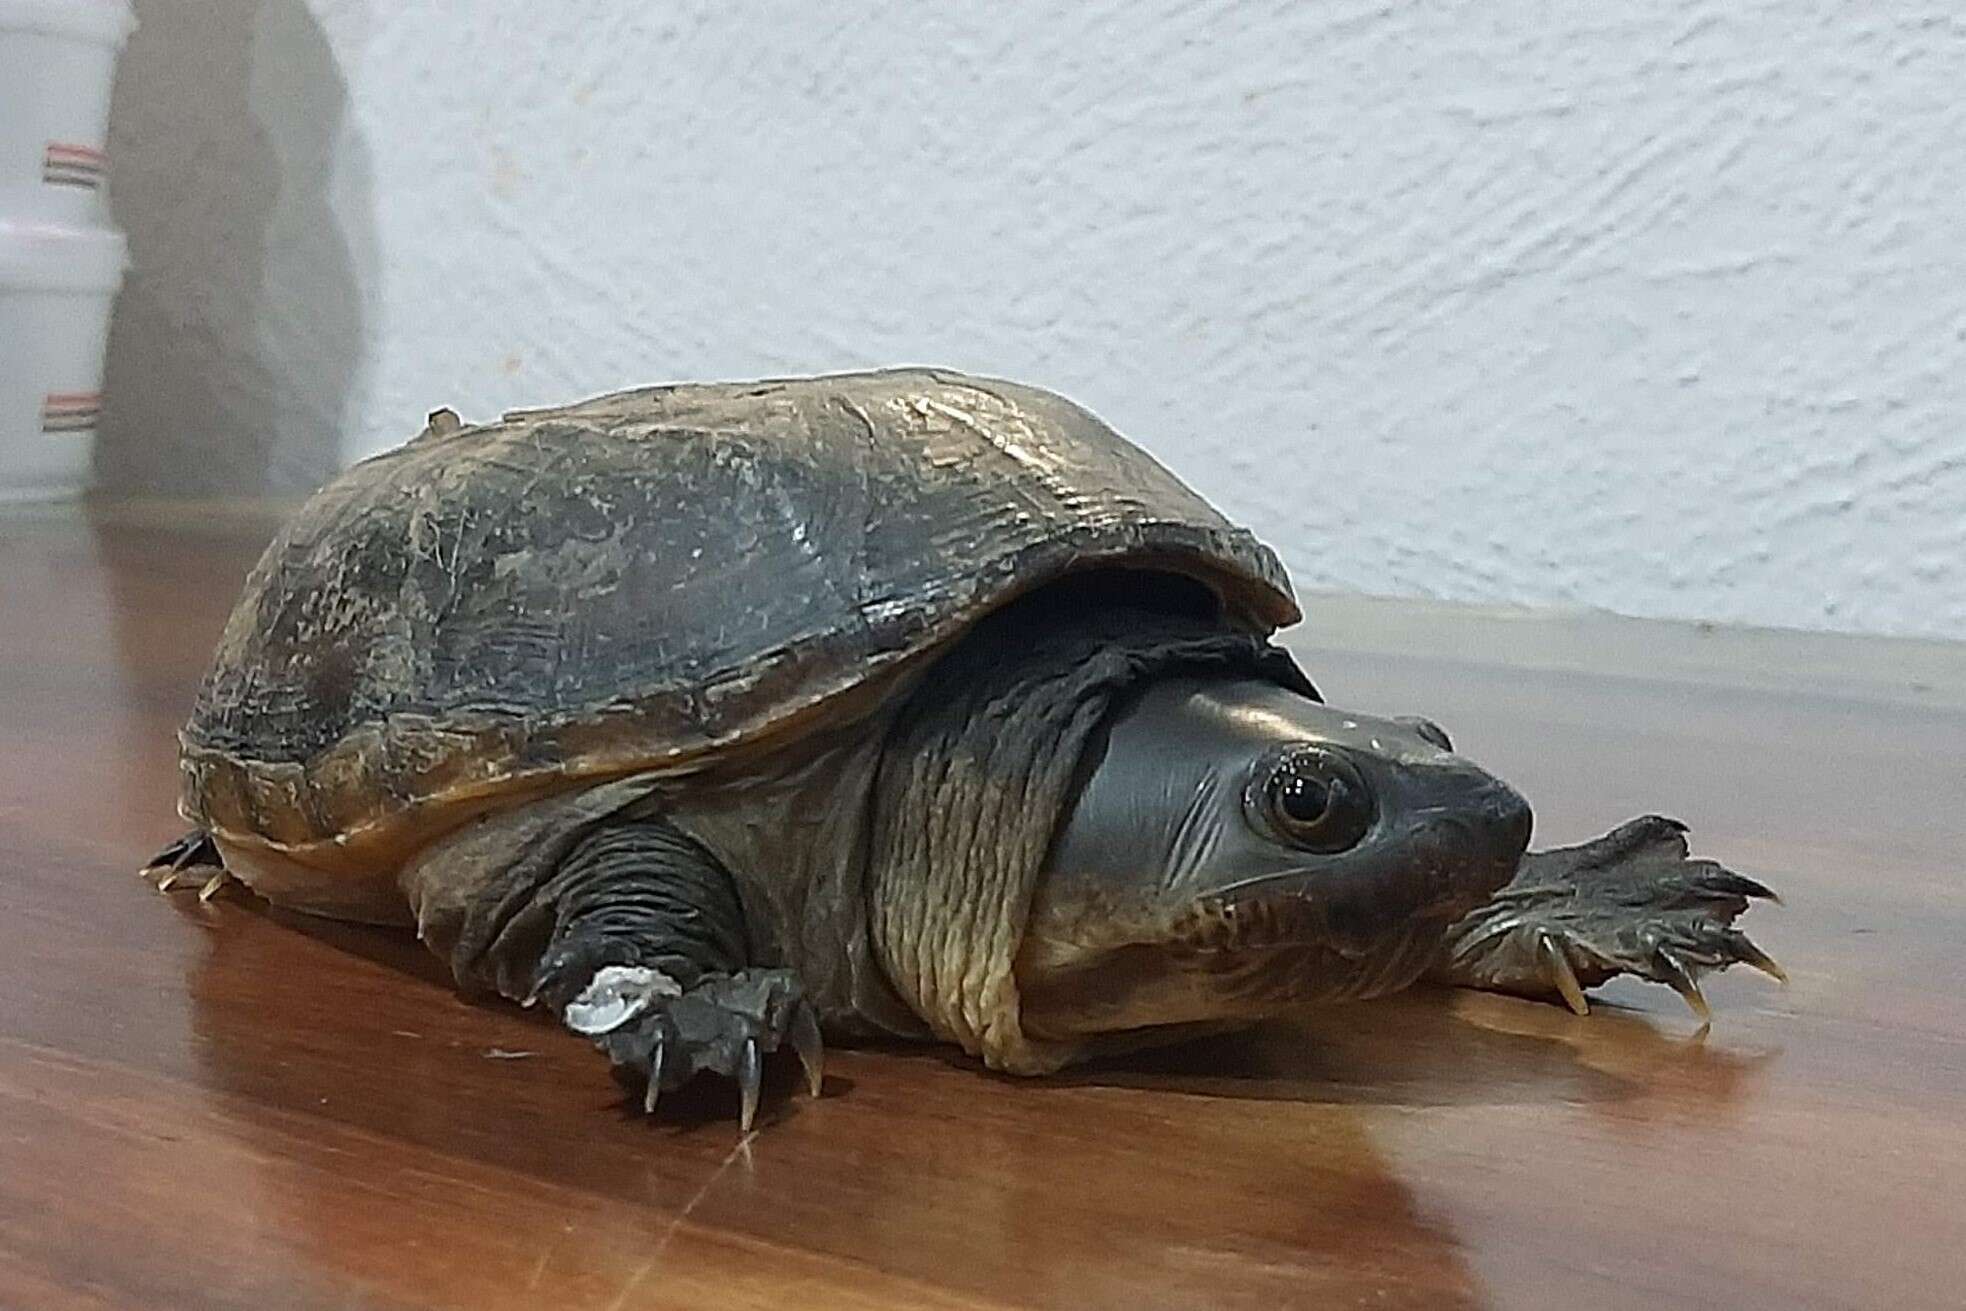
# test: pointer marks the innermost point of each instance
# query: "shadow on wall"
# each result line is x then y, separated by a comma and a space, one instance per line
238, 334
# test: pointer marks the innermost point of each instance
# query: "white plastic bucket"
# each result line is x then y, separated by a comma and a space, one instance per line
56, 287
57, 58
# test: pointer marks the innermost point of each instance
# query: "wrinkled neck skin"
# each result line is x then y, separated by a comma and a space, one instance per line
975, 775
1168, 904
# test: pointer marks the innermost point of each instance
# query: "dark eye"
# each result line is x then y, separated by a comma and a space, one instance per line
1315, 799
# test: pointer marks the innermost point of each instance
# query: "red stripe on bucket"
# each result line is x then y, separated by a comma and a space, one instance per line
66, 165
63, 171
68, 411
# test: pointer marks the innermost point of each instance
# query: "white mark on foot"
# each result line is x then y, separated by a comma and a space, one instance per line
616, 995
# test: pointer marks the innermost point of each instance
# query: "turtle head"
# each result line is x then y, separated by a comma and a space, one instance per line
1236, 848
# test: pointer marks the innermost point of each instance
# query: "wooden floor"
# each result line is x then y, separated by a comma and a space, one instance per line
218, 1107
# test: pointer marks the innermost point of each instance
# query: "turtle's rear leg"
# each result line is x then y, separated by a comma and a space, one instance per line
1630, 902
191, 860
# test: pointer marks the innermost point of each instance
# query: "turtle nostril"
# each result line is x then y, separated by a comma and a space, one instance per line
1427, 729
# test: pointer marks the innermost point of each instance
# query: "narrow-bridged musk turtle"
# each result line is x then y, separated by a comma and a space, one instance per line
712, 716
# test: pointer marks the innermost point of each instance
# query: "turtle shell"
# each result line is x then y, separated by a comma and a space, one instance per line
650, 580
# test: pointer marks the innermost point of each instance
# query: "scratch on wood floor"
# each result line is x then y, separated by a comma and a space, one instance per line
742, 1149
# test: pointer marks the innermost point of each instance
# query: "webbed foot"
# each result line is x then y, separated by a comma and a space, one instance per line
1630, 902
191, 861
660, 1035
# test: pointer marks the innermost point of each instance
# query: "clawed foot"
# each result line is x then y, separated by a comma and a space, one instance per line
661, 1036
1630, 902
193, 860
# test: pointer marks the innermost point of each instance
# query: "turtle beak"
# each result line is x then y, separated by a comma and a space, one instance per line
1480, 827
1459, 834
1503, 823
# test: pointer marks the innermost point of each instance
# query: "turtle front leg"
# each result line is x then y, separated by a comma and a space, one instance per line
647, 956
1630, 902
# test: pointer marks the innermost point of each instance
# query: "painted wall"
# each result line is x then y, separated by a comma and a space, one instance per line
1658, 307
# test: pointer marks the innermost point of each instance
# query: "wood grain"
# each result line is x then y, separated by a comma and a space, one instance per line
224, 1107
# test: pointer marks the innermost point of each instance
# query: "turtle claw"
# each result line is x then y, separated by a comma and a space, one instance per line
193, 849
1632, 902
216, 884
1562, 975
181, 863
1681, 980
1755, 958
806, 1042
726, 1024
653, 1093
208, 888
750, 1074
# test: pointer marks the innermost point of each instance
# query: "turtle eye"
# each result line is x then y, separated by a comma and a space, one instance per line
1314, 799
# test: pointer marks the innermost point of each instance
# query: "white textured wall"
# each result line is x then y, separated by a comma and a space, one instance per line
1656, 306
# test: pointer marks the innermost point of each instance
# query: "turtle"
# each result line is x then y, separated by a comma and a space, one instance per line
722, 719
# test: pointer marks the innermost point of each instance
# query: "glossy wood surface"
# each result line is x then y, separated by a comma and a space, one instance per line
224, 1107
